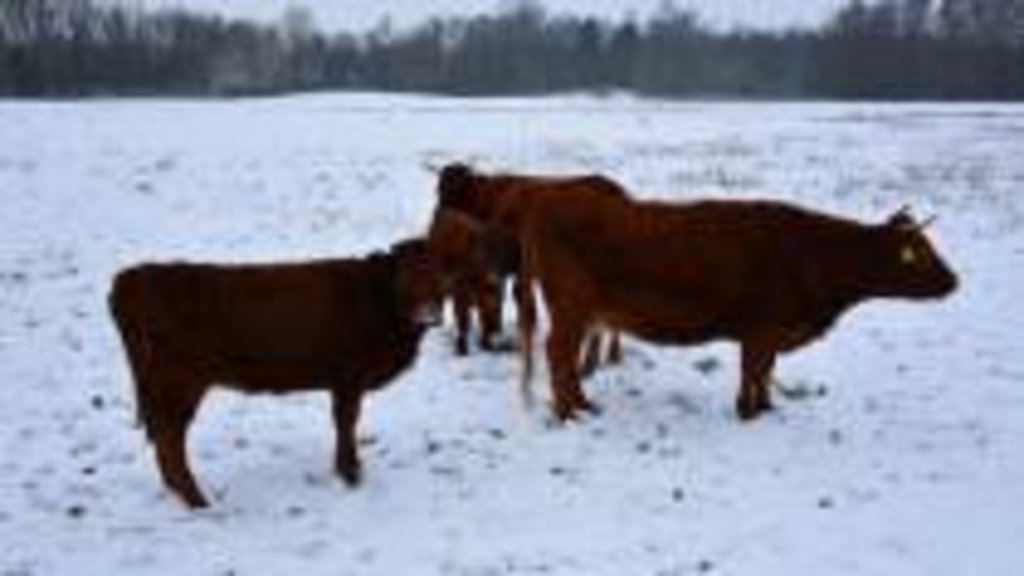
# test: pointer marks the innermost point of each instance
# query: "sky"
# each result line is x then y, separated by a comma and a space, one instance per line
359, 15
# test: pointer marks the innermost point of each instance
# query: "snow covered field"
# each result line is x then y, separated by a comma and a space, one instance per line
900, 451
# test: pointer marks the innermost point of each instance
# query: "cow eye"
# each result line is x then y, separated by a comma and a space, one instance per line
908, 255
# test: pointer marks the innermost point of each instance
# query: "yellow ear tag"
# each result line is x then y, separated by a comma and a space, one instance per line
908, 255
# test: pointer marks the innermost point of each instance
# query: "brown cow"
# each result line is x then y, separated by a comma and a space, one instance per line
768, 275
504, 201
472, 258
348, 326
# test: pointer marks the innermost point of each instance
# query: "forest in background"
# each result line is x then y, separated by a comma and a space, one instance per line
889, 49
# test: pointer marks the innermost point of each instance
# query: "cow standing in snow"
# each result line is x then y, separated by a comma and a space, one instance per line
768, 275
348, 326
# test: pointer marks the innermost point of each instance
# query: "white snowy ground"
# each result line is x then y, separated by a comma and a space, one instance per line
904, 454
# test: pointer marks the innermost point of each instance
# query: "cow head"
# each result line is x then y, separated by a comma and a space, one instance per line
455, 187
912, 267
418, 283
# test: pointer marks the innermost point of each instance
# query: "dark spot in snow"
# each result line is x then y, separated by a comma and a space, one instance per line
634, 392
433, 447
826, 503
871, 405
707, 365
164, 164
678, 495
13, 277
800, 390
682, 403
313, 479
496, 433
295, 511
835, 436
240, 443
367, 556
444, 471
97, 402
643, 447
74, 343
76, 511
705, 566
89, 471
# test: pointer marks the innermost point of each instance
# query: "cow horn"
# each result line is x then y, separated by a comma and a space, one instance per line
902, 218
927, 222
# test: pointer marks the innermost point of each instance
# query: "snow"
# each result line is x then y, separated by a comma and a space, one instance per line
898, 450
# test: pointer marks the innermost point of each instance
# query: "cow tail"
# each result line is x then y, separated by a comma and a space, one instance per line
136, 347
527, 322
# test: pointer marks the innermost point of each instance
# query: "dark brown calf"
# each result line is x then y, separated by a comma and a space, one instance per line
770, 276
503, 202
346, 326
472, 258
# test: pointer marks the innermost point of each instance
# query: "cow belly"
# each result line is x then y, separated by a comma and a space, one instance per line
661, 316
252, 364
274, 376
367, 367
665, 327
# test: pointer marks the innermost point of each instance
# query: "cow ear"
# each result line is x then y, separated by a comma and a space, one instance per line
432, 167
902, 219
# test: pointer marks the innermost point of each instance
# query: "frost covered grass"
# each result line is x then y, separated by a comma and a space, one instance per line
896, 448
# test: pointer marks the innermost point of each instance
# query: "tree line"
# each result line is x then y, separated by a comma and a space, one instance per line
886, 49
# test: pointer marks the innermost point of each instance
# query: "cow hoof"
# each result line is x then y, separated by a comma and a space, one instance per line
563, 413
589, 407
746, 412
352, 476
571, 411
194, 500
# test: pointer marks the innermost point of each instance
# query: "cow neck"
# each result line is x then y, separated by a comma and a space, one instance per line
852, 269
384, 290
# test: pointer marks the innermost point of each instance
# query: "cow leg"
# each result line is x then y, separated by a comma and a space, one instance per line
489, 300
591, 353
764, 389
346, 405
527, 320
754, 396
523, 295
614, 347
563, 348
462, 301
178, 405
